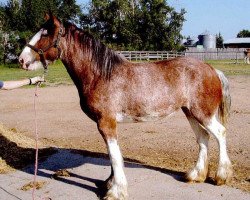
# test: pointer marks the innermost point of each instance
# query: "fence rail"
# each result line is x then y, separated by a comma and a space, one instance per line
213, 54
216, 54
149, 55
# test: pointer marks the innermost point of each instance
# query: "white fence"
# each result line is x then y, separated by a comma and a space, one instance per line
213, 54
216, 54
150, 55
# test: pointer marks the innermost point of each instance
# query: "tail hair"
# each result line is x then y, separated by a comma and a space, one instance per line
224, 107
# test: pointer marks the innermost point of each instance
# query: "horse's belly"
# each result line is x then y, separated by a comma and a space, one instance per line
153, 116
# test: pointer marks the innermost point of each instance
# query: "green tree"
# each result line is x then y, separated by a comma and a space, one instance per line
10, 14
67, 10
219, 41
160, 25
29, 15
18, 21
135, 24
243, 33
113, 22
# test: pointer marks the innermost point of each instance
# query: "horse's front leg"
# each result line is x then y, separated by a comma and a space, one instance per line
117, 183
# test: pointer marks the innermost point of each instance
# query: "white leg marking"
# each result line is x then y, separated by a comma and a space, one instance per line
199, 172
119, 187
225, 167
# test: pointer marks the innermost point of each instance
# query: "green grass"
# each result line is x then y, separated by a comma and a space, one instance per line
229, 67
58, 75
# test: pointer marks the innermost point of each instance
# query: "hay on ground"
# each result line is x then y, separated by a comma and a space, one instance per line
17, 150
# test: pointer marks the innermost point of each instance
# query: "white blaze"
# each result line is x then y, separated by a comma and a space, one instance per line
28, 55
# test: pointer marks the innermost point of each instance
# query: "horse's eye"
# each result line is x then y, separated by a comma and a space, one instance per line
45, 32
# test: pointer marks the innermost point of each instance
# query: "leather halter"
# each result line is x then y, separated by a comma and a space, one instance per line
54, 44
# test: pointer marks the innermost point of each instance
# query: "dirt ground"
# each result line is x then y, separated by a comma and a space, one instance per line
169, 144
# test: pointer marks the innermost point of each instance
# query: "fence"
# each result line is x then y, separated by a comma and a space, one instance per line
150, 55
202, 54
216, 54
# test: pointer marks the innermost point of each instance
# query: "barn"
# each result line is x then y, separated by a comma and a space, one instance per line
237, 43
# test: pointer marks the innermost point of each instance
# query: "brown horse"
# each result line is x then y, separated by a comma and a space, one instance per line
113, 90
247, 56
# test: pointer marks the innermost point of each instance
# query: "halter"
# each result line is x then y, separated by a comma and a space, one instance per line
54, 44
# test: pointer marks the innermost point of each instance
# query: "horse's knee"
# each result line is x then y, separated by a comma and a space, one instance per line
107, 128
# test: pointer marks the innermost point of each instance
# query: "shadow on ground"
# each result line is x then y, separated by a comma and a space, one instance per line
61, 159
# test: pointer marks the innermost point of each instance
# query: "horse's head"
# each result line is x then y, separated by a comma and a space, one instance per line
43, 48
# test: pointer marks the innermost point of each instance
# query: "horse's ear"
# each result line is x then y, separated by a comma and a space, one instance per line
48, 15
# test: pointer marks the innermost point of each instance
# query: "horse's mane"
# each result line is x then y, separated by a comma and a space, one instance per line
103, 59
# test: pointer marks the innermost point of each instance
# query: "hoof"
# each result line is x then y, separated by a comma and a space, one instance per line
117, 192
109, 197
112, 197
224, 174
195, 176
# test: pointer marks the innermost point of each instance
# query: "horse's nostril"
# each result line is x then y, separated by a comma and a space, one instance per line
27, 64
21, 61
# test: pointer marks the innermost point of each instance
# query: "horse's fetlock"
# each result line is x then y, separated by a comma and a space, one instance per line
117, 192
224, 173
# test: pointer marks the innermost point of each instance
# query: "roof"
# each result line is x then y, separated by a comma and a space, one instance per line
238, 41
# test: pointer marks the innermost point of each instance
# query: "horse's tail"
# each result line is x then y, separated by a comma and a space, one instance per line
224, 107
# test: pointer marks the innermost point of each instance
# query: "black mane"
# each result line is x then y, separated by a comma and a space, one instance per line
103, 59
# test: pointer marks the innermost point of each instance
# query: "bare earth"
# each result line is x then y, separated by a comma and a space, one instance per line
169, 144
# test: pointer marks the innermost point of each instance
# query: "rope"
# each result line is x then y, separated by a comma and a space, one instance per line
36, 138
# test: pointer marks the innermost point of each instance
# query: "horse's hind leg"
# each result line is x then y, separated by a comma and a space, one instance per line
200, 171
224, 171
117, 183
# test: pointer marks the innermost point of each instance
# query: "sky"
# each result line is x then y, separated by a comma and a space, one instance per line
225, 16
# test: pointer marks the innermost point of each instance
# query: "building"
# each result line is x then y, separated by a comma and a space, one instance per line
205, 40
237, 43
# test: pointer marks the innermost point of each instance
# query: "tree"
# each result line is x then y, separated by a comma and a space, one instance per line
219, 41
68, 10
10, 14
18, 21
29, 15
149, 25
121, 24
113, 22
243, 33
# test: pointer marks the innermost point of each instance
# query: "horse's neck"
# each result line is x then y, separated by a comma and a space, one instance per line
77, 64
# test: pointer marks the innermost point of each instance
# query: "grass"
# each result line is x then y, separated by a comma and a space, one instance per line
229, 67
58, 75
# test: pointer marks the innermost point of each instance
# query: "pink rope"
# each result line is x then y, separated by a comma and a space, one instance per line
36, 137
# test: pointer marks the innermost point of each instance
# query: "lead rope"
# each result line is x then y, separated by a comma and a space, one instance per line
36, 136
